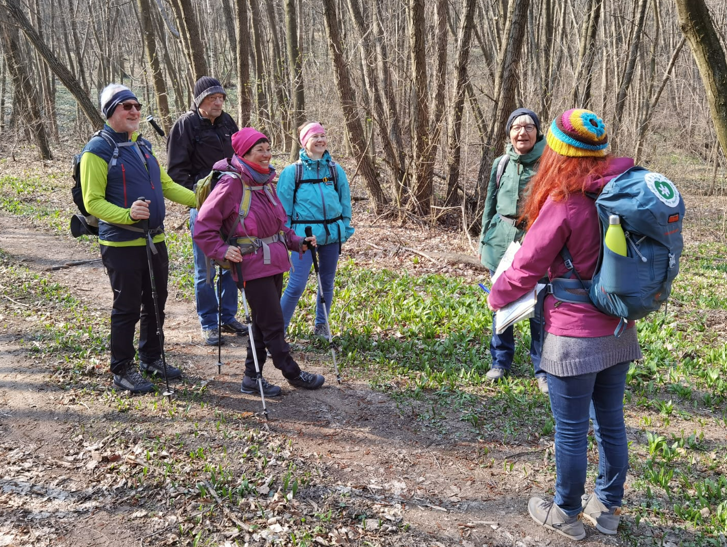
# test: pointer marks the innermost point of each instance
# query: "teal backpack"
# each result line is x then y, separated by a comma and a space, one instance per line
631, 287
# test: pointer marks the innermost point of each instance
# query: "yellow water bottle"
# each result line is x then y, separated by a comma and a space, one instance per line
615, 238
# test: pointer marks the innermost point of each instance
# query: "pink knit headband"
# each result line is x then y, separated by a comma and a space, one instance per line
308, 130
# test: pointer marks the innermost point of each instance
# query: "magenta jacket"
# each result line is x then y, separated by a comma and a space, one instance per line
572, 222
264, 219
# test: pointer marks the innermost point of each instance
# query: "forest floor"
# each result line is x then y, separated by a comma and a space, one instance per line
403, 452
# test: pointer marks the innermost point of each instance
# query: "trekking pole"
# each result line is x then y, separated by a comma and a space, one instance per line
319, 290
155, 297
219, 319
248, 322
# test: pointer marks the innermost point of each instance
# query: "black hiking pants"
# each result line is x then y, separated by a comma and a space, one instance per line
263, 296
128, 272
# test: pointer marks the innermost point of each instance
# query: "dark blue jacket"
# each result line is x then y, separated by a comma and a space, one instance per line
131, 177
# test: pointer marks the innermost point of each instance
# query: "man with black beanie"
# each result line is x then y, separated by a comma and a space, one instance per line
198, 139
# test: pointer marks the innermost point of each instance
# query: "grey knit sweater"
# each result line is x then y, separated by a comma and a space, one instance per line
568, 356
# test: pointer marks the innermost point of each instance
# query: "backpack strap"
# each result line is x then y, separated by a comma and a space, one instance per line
500, 171
568, 290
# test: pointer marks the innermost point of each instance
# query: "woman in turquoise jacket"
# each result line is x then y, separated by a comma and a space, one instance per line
314, 192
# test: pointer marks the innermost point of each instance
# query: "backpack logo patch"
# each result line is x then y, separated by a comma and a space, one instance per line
662, 188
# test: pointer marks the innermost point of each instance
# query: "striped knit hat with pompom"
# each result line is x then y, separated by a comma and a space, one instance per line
578, 133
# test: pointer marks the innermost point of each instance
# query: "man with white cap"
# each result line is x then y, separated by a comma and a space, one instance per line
118, 167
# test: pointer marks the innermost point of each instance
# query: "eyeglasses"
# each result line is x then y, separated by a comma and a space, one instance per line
527, 127
129, 106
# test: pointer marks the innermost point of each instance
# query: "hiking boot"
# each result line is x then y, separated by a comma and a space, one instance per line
553, 518
156, 368
212, 337
131, 380
496, 374
251, 387
604, 519
542, 383
234, 327
321, 330
306, 380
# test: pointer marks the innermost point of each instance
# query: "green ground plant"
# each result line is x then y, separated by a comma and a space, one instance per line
423, 340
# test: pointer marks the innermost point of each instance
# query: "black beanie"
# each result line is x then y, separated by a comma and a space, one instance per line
206, 85
522, 112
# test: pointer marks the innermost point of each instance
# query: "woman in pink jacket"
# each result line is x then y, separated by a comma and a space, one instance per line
585, 362
264, 262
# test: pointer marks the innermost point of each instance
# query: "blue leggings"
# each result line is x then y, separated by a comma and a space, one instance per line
299, 273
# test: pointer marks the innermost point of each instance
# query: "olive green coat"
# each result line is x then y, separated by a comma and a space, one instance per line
497, 234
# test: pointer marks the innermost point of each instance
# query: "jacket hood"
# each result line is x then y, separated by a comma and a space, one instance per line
531, 157
308, 162
225, 165
616, 166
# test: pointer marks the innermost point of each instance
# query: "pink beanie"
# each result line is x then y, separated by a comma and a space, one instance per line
308, 130
245, 139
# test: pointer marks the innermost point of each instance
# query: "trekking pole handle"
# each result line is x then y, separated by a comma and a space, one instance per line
309, 233
143, 223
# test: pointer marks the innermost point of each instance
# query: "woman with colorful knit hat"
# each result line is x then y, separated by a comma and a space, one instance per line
315, 194
509, 176
585, 362
261, 244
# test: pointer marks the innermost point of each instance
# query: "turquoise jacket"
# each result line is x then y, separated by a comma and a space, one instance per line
497, 234
318, 205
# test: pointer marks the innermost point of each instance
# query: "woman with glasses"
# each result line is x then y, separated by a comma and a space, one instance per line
315, 194
117, 168
509, 176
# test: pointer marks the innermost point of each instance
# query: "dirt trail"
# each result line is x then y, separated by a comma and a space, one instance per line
363, 439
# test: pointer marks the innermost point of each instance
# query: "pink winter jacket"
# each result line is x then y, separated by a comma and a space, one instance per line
572, 222
220, 210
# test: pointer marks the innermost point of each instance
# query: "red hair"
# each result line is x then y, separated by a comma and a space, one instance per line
558, 177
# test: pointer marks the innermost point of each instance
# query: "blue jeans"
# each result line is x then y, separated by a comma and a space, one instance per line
572, 400
206, 295
327, 261
502, 346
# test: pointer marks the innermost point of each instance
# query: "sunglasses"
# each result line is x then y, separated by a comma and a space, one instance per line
129, 106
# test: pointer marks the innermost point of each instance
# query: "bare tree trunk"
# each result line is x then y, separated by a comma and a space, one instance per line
587, 53
257, 39
58, 68
697, 26
505, 84
295, 67
347, 96
160, 86
229, 19
244, 108
644, 128
464, 35
189, 27
3, 81
628, 73
393, 123
372, 83
422, 143
25, 93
